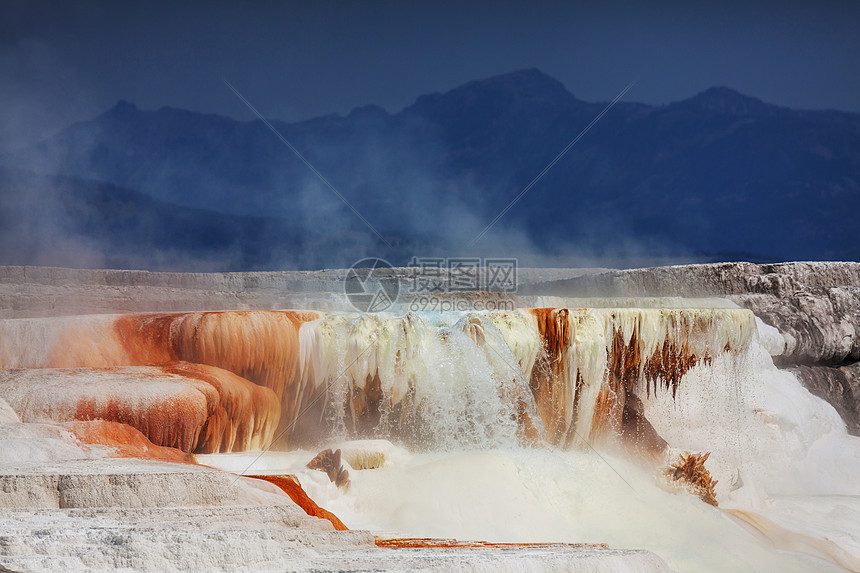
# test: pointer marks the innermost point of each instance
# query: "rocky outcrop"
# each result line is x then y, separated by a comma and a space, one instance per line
329, 462
689, 472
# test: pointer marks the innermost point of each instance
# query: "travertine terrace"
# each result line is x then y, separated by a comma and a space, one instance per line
111, 381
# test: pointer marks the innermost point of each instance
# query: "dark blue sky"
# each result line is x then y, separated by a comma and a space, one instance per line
61, 63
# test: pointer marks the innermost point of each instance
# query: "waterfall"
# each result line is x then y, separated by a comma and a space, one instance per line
567, 377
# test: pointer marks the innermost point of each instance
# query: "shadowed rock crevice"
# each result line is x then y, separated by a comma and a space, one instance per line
840, 386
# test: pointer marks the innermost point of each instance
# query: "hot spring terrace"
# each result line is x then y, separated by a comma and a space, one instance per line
227, 381
591, 393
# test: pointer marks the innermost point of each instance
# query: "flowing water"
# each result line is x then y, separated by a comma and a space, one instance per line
503, 428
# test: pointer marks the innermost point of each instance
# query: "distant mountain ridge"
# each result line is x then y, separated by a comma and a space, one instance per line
49, 220
719, 174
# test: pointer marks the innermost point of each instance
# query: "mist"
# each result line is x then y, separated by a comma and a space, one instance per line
267, 213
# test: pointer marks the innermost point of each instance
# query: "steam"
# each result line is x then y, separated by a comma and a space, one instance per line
263, 211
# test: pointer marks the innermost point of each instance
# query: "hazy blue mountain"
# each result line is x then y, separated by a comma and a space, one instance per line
52, 221
717, 176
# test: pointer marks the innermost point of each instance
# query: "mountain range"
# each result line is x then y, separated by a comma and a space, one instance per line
718, 176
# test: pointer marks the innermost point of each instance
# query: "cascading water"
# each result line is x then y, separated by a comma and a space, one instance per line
440, 384
566, 377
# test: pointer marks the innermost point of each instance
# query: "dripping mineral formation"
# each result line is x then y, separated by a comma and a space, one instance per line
226, 381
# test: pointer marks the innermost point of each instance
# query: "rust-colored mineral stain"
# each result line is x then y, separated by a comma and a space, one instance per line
441, 543
172, 421
668, 365
624, 364
246, 415
205, 410
261, 346
257, 352
146, 337
127, 442
291, 486
549, 383
528, 433
258, 346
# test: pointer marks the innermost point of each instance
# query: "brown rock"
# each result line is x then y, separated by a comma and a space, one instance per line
330, 462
